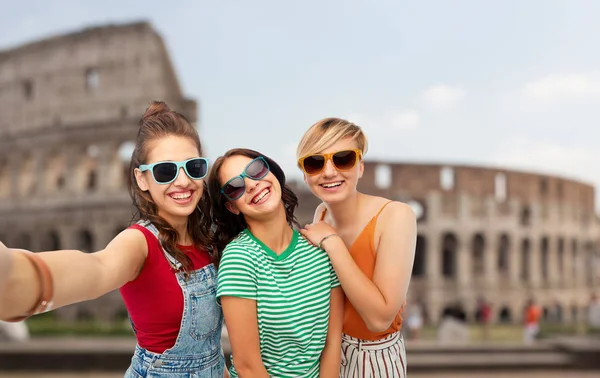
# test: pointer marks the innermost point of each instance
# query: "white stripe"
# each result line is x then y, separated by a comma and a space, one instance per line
385, 357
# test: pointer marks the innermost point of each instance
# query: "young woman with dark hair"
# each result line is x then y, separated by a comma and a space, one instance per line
280, 296
162, 265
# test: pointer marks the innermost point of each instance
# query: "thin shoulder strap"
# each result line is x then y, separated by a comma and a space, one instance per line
383, 207
152, 228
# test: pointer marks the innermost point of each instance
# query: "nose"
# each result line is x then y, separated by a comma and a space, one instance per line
250, 184
329, 169
182, 179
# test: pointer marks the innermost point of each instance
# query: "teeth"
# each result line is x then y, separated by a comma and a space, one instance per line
180, 196
260, 196
331, 184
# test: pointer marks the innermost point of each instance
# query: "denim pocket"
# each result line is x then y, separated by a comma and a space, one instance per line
206, 313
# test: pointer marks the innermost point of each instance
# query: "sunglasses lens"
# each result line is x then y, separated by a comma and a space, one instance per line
164, 172
313, 164
344, 160
234, 188
197, 168
257, 169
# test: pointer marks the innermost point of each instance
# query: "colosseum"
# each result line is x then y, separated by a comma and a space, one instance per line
497, 234
70, 109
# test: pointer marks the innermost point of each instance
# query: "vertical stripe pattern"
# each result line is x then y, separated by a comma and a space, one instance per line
373, 359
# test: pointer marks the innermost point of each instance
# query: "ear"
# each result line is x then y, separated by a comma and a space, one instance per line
140, 178
232, 209
361, 168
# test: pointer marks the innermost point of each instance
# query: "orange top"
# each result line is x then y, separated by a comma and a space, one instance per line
532, 315
364, 255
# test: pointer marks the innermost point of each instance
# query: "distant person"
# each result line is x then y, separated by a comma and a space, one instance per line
16, 331
163, 265
371, 242
414, 320
594, 313
453, 327
484, 318
533, 314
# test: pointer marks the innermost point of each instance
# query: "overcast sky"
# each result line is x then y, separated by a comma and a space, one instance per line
514, 83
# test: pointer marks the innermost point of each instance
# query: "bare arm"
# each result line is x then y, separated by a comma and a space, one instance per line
77, 276
377, 301
242, 326
331, 355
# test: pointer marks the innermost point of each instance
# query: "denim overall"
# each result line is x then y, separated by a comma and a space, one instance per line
197, 351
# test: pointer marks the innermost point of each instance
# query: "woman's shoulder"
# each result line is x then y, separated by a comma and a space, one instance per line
389, 210
240, 245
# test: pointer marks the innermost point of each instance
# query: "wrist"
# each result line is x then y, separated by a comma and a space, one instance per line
330, 242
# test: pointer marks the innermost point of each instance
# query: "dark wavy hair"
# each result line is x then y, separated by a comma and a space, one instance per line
158, 122
227, 225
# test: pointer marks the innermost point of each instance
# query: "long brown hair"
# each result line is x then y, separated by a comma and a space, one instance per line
158, 122
227, 225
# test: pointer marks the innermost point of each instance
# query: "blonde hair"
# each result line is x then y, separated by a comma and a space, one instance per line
327, 132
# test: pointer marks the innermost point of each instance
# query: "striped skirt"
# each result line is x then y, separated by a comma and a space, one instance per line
373, 359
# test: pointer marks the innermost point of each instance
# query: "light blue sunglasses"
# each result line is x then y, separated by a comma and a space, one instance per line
165, 172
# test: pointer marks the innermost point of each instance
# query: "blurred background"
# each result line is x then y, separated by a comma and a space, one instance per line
480, 115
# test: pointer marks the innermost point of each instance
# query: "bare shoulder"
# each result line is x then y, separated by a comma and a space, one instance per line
129, 241
397, 214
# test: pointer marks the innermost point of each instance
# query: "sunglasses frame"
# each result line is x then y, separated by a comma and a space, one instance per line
178, 164
328, 157
245, 174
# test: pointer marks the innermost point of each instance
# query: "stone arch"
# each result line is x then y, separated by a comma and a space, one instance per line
525, 216
120, 163
505, 315
5, 178
560, 247
525, 259
545, 257
55, 172
449, 255
478, 255
420, 257
503, 254
85, 241
27, 175
575, 258
589, 263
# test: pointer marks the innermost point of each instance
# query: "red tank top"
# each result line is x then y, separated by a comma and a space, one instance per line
154, 299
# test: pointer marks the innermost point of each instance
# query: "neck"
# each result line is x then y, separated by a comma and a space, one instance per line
345, 212
274, 232
181, 226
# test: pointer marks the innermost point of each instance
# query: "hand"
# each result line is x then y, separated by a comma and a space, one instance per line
315, 232
226, 373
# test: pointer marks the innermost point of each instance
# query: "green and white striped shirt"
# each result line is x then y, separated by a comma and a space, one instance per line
292, 292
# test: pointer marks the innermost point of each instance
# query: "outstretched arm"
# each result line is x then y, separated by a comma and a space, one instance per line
377, 301
77, 276
242, 326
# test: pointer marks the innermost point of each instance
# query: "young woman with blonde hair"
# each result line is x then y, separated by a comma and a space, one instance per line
371, 243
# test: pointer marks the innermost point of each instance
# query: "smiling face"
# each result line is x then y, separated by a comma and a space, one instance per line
177, 200
332, 185
261, 198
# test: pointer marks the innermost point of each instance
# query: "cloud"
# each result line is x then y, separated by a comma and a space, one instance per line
442, 96
550, 158
555, 87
